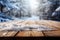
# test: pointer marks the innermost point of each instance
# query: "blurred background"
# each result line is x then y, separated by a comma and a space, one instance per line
29, 10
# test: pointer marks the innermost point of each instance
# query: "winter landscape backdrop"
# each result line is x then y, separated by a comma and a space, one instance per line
29, 10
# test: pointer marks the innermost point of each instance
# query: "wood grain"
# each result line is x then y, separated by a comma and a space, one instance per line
7, 33
52, 33
29, 33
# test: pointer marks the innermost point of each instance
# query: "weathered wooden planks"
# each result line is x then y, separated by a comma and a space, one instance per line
7, 33
29, 34
52, 33
47, 23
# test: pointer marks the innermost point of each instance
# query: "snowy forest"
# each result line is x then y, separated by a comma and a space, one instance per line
29, 10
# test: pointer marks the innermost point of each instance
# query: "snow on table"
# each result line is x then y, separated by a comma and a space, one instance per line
24, 25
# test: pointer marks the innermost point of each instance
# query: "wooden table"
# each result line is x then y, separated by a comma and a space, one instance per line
32, 33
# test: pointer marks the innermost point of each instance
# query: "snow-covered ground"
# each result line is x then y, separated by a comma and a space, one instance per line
28, 18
